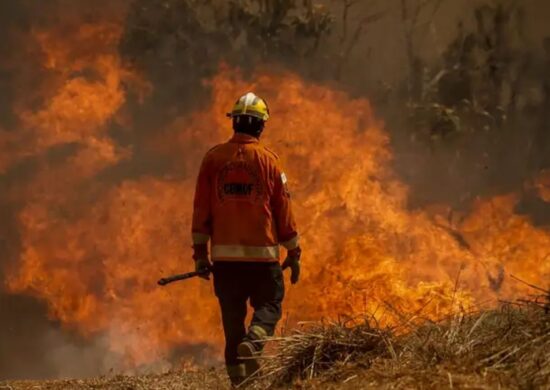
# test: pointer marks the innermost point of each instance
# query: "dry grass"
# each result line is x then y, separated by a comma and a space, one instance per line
506, 348
183, 380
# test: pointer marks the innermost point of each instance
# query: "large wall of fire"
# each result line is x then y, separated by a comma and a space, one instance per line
94, 211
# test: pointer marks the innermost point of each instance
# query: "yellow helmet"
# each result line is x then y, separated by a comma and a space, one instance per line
250, 105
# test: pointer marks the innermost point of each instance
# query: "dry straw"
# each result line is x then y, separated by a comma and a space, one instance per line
508, 347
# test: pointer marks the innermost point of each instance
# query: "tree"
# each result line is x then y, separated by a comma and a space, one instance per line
177, 43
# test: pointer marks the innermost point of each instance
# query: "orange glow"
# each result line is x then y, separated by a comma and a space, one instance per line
93, 250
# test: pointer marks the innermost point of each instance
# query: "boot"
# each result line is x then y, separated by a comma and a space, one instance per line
250, 349
236, 373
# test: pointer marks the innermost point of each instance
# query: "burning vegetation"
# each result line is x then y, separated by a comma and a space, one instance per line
113, 108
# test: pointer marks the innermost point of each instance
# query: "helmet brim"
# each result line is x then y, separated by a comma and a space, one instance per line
253, 114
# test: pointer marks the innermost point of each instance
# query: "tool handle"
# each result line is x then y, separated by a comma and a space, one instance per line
175, 278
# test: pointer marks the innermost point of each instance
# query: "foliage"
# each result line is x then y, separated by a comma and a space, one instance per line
181, 41
483, 78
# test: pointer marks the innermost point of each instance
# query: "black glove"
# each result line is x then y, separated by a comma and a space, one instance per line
202, 263
293, 261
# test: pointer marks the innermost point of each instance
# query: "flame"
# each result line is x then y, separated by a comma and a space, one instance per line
93, 249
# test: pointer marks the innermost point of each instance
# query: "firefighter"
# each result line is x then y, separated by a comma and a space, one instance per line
242, 208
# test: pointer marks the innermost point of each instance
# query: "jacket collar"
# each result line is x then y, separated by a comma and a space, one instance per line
240, 138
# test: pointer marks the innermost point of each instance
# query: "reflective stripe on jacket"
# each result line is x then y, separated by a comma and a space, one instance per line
242, 203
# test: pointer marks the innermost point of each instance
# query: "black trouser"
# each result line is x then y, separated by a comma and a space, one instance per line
237, 282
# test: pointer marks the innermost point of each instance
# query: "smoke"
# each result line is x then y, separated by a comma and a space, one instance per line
31, 347
448, 156
166, 50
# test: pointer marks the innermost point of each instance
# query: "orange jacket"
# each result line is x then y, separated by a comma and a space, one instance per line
242, 203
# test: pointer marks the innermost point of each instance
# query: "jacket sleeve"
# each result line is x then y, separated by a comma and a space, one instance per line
282, 210
202, 214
